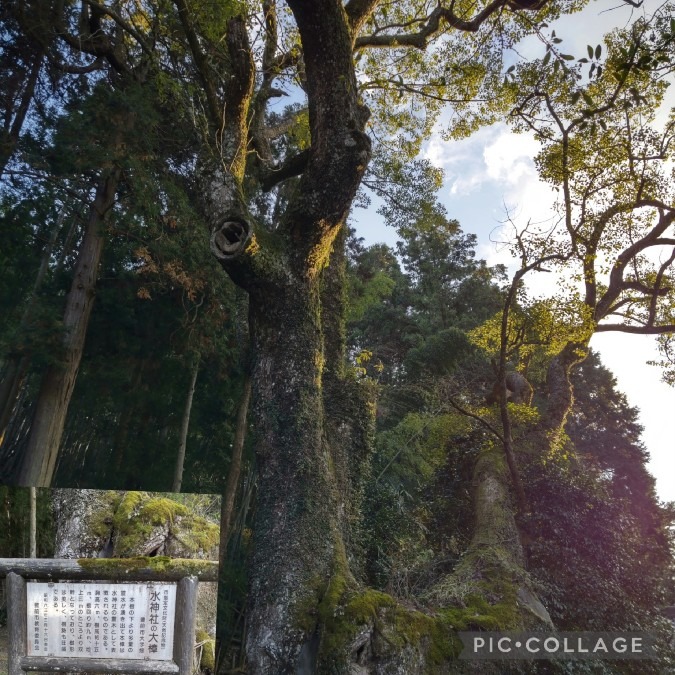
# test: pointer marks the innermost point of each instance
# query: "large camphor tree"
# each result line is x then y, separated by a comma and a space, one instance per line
311, 452
275, 189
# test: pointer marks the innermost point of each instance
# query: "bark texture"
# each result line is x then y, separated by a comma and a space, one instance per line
296, 532
58, 382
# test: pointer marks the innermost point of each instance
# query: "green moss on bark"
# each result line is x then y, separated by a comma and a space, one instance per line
395, 628
208, 647
117, 568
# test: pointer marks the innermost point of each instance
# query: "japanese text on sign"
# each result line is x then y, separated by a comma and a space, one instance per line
99, 620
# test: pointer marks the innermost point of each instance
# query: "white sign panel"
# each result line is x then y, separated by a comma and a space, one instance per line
101, 620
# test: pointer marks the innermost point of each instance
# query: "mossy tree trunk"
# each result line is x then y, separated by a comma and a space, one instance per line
296, 529
312, 425
494, 566
298, 542
349, 405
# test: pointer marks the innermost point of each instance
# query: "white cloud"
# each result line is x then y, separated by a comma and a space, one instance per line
462, 161
496, 159
626, 355
508, 159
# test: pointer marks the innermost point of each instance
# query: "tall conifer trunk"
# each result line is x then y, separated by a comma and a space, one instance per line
184, 427
18, 363
9, 137
230, 493
58, 382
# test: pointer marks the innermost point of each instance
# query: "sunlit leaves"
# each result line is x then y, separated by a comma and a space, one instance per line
540, 327
407, 88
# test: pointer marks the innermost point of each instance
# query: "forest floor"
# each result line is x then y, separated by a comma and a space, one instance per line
3, 650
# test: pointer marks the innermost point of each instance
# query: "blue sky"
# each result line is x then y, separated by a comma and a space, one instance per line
492, 171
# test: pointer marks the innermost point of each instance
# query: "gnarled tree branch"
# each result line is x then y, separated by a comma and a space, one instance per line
441, 18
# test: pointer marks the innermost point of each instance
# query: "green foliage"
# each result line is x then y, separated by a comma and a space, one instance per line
208, 650
412, 319
407, 89
407, 460
15, 523
416, 312
536, 329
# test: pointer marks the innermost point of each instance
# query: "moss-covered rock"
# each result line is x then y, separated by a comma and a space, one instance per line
141, 523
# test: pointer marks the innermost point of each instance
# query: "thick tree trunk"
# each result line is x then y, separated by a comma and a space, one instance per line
59, 381
559, 386
297, 543
494, 565
299, 562
184, 427
349, 405
227, 504
72, 513
495, 556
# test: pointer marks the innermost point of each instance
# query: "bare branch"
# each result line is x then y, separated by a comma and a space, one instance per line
213, 103
439, 19
478, 418
293, 166
122, 23
658, 289
637, 330
73, 69
653, 238
98, 45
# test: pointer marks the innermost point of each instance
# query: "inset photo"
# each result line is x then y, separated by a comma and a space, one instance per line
108, 581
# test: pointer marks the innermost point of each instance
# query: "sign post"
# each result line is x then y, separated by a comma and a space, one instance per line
75, 618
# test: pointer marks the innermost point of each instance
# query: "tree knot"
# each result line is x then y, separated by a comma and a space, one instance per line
230, 238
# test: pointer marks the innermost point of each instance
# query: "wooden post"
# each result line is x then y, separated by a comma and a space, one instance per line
184, 627
16, 622
56, 664
33, 521
127, 569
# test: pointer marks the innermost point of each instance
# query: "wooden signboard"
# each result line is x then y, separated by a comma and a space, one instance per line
101, 620
60, 619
